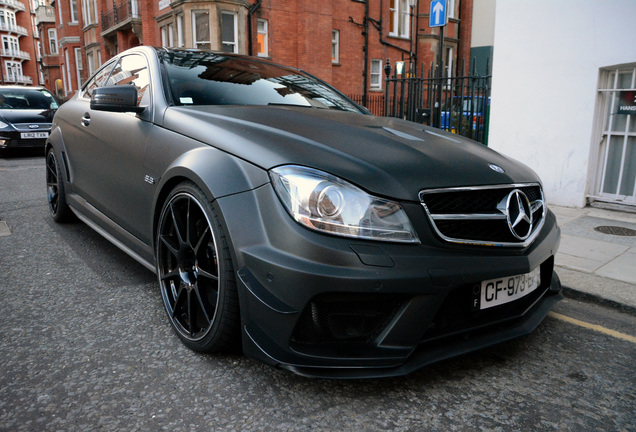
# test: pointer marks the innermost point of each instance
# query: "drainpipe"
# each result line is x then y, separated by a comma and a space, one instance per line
250, 12
365, 69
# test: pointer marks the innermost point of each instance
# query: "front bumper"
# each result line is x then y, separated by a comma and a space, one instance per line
332, 307
14, 140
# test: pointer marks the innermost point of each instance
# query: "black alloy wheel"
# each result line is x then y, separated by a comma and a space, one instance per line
55, 189
195, 272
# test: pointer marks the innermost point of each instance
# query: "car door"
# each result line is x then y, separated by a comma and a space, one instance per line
113, 146
74, 133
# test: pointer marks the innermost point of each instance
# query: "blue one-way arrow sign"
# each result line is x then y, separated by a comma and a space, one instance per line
439, 14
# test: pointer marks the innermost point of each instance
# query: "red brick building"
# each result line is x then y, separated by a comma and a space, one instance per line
344, 42
328, 38
67, 16
48, 50
18, 60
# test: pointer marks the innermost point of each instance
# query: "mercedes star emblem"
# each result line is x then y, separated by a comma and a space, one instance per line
516, 207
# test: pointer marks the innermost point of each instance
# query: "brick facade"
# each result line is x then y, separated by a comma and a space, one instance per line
18, 53
299, 33
68, 17
51, 75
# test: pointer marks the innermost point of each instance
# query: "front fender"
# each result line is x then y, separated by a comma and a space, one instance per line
217, 173
56, 141
171, 158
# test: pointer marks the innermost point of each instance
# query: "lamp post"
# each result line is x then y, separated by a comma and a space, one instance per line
387, 72
387, 68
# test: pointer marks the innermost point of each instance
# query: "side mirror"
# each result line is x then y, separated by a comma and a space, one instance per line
120, 98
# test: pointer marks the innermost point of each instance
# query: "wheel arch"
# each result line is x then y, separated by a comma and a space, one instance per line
216, 173
55, 141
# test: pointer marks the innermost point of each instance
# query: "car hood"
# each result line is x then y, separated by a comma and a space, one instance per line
27, 116
386, 156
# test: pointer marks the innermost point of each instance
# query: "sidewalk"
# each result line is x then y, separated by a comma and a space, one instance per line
597, 256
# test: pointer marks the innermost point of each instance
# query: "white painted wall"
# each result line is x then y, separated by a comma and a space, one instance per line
547, 56
483, 28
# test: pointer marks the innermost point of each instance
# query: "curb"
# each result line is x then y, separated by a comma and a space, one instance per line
586, 297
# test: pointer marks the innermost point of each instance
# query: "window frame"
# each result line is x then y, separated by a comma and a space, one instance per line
180, 32
74, 15
335, 46
53, 41
372, 74
67, 76
195, 41
79, 65
90, 62
399, 19
13, 44
234, 43
89, 12
170, 29
265, 33
7, 17
13, 65
164, 36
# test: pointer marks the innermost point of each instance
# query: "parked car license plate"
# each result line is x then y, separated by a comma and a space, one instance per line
495, 292
34, 135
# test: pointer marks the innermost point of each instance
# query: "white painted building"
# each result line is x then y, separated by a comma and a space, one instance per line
558, 70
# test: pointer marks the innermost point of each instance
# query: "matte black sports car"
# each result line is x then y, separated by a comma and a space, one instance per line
25, 116
281, 215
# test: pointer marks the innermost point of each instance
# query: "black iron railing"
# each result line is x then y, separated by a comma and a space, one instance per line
457, 103
374, 103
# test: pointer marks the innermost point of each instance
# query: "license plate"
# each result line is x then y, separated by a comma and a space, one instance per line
495, 292
34, 135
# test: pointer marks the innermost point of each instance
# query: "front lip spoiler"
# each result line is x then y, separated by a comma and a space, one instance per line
430, 353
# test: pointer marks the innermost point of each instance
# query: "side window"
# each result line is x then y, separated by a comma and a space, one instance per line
97, 80
133, 70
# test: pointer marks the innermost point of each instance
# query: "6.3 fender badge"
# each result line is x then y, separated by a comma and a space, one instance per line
496, 168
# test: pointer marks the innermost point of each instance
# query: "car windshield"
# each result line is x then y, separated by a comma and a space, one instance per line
205, 78
26, 99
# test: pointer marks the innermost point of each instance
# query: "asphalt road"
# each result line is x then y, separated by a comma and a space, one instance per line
85, 345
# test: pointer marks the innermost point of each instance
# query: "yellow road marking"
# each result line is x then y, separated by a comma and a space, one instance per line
594, 327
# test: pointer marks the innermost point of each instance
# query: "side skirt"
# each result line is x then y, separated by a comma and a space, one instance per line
79, 206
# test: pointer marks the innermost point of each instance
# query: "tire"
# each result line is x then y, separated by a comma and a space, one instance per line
195, 272
55, 192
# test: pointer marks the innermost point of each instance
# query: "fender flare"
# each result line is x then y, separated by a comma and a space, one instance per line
216, 173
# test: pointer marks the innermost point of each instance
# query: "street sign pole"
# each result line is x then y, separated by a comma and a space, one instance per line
440, 83
438, 17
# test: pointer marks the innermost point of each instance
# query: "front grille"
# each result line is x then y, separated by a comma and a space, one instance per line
350, 318
30, 127
486, 215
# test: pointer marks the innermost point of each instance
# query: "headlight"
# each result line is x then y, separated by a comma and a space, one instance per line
328, 204
3, 125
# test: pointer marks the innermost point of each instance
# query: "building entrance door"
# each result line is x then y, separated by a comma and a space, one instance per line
616, 173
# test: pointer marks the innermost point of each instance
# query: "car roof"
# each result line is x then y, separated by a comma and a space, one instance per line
22, 87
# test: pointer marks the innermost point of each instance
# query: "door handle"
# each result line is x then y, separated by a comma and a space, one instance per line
86, 119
